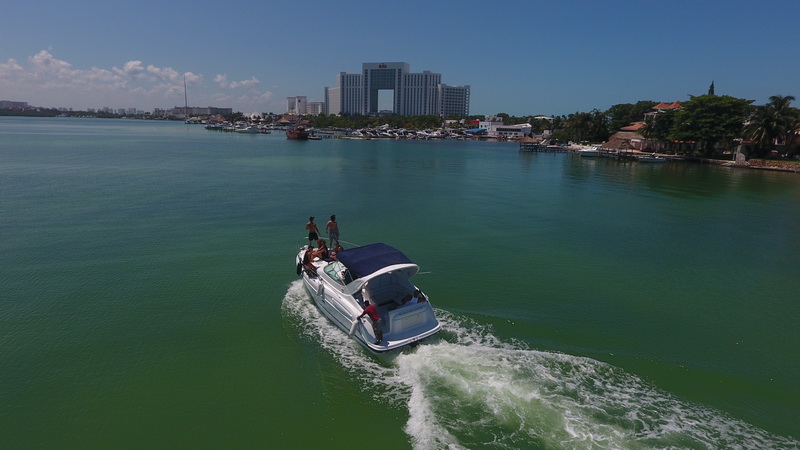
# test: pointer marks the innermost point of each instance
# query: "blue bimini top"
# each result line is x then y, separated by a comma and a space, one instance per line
362, 261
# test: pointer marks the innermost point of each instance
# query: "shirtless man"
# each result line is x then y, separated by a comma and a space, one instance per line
332, 228
313, 231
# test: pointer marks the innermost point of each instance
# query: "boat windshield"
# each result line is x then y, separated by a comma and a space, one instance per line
338, 272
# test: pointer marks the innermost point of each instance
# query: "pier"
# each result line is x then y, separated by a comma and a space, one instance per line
541, 148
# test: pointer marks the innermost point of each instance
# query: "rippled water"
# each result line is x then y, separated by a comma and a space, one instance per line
149, 296
470, 389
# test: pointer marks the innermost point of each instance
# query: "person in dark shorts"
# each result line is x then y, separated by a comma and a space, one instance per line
313, 231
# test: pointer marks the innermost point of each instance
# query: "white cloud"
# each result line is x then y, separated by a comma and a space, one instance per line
98, 75
131, 69
163, 73
252, 82
44, 80
10, 70
222, 81
192, 78
265, 97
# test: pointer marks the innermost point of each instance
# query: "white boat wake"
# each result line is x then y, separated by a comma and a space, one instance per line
469, 389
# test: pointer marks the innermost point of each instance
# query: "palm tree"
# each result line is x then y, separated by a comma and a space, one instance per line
771, 124
578, 125
598, 129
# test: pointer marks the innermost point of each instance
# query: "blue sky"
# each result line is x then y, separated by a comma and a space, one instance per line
519, 57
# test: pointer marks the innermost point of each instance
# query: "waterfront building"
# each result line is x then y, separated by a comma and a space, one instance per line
493, 127
346, 97
412, 94
453, 100
315, 108
8, 104
333, 100
296, 105
662, 108
299, 106
191, 111
491, 124
513, 131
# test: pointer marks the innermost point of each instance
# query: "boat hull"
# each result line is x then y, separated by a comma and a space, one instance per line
298, 133
651, 159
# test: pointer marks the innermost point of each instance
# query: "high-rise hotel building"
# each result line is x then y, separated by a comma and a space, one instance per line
413, 94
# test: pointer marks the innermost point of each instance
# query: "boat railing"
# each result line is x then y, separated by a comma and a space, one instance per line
302, 242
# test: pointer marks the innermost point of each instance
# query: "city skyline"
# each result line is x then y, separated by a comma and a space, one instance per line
520, 58
408, 93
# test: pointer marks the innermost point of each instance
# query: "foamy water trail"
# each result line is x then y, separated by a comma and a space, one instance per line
469, 389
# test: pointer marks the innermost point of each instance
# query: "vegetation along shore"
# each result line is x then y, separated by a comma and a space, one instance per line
704, 128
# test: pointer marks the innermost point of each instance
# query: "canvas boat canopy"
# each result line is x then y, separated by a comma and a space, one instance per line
363, 261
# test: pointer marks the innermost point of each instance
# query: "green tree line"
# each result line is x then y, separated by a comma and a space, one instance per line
360, 121
706, 124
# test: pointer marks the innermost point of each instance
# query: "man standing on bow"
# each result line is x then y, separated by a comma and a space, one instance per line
332, 228
313, 231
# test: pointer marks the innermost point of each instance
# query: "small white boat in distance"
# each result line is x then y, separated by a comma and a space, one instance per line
651, 159
590, 152
247, 129
376, 273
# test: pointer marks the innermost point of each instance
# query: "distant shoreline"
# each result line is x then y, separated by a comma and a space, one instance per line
757, 164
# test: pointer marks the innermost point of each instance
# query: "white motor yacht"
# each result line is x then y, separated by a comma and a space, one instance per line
590, 152
376, 273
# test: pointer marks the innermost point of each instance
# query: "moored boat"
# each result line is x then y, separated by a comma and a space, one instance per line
378, 274
651, 159
589, 152
299, 133
247, 129
216, 126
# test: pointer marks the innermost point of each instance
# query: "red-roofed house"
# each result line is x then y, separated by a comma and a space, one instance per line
662, 106
636, 126
628, 138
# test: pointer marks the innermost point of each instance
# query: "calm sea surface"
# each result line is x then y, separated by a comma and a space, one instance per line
148, 296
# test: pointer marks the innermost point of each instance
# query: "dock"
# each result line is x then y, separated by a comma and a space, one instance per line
541, 148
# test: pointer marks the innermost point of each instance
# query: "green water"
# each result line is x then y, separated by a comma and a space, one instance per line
149, 297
